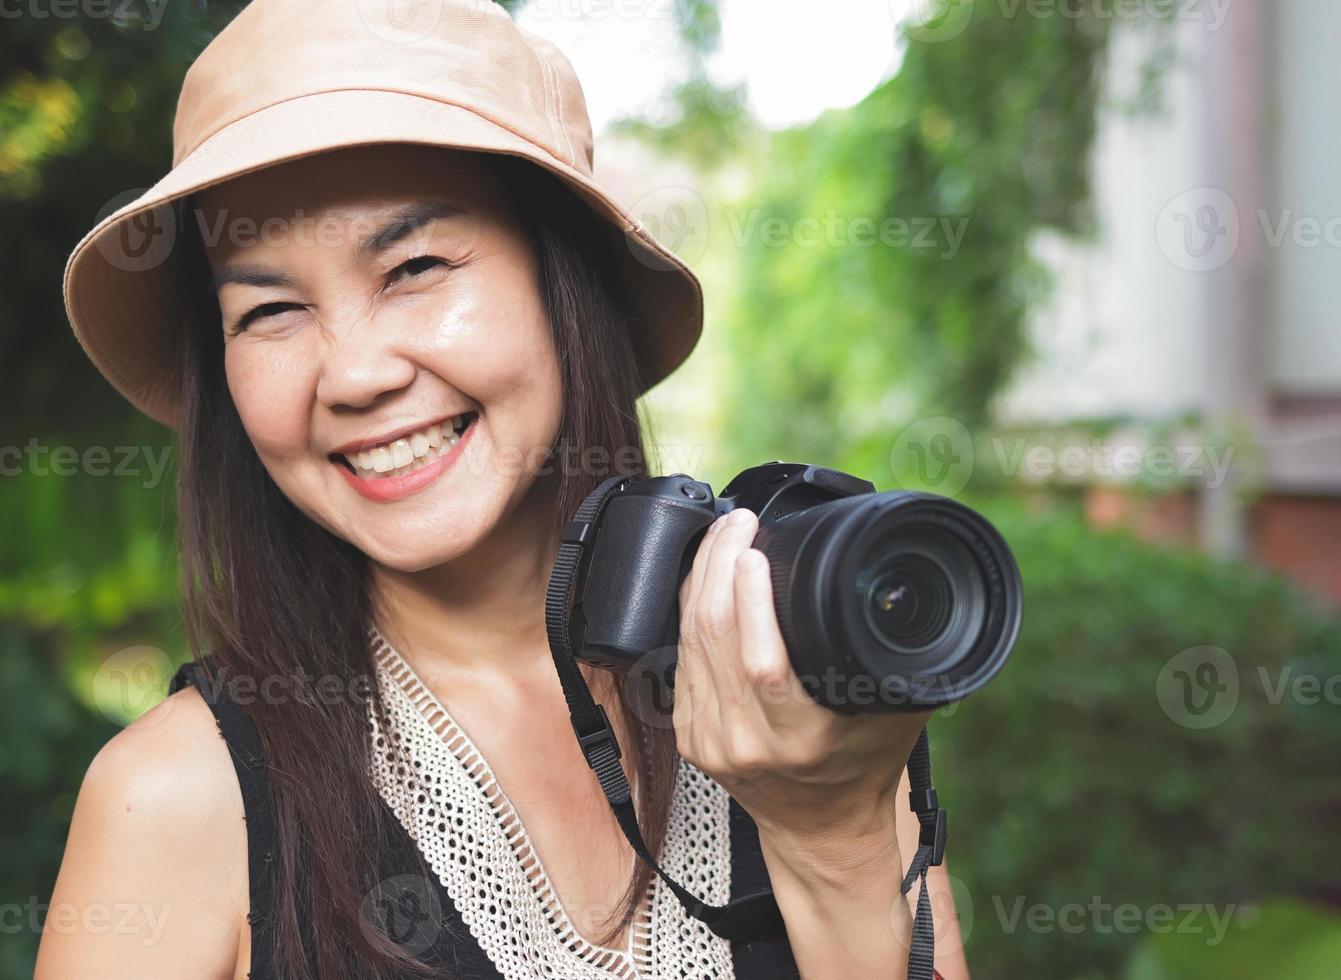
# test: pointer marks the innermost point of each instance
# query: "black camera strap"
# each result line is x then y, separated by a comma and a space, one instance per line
751, 917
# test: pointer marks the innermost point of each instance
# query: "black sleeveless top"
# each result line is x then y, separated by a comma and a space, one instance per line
416, 908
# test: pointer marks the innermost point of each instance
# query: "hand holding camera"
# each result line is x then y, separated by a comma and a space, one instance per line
742, 715
886, 602
814, 625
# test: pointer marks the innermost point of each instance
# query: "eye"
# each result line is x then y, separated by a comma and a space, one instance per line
416, 266
263, 311
413, 267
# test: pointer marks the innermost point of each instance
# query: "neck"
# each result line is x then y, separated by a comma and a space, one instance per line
483, 612
481, 617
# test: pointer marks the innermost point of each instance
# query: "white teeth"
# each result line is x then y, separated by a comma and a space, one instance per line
407, 454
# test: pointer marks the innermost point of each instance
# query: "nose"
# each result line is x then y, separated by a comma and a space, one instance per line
360, 364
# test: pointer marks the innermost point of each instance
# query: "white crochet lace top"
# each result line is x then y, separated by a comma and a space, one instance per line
444, 794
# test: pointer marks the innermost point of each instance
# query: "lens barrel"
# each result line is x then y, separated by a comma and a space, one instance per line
892, 601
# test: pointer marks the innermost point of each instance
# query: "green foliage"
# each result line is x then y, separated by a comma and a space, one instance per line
983, 139
46, 742
1066, 779
86, 104
1281, 939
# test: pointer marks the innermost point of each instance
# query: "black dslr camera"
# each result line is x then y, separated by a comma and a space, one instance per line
887, 601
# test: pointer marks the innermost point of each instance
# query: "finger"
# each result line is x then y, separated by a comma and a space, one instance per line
763, 655
692, 674
716, 608
693, 583
763, 652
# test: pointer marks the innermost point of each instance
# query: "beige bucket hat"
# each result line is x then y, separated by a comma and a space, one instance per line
289, 78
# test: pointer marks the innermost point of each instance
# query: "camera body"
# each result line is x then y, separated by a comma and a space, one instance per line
886, 601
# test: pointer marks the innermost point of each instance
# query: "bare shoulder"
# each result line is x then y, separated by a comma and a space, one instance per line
154, 877
171, 766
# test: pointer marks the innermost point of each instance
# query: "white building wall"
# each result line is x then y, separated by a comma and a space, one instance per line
1307, 302
1125, 328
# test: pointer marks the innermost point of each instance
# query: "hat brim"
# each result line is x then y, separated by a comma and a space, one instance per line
121, 280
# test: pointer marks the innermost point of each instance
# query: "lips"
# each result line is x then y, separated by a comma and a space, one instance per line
426, 461
408, 452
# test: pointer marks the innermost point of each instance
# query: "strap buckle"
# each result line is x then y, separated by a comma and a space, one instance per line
592, 741
933, 835
576, 532
931, 815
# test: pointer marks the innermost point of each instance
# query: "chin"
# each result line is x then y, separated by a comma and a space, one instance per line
414, 549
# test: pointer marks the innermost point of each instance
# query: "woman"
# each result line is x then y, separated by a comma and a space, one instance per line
390, 301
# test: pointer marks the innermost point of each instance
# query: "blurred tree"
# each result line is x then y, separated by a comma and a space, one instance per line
709, 122
86, 104
927, 196
880, 258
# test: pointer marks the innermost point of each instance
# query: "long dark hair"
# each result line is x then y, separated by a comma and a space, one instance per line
270, 593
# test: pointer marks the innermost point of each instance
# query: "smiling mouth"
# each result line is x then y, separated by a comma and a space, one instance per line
409, 453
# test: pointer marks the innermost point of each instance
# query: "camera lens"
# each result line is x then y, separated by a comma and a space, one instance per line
923, 594
909, 605
914, 596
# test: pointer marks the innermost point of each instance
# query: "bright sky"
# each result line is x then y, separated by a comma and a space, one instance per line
799, 57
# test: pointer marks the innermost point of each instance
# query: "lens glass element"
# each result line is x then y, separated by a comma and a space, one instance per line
921, 591
911, 603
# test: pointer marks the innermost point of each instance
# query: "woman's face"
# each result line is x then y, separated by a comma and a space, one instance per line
386, 343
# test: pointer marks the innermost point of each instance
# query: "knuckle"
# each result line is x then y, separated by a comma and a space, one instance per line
764, 674
704, 759
746, 754
717, 622
806, 758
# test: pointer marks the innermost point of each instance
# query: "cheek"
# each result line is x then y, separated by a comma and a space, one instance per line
271, 388
494, 343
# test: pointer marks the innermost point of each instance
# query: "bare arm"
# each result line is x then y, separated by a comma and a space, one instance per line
950, 961
839, 893
154, 878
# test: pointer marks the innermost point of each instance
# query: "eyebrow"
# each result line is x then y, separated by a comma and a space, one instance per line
402, 223
405, 221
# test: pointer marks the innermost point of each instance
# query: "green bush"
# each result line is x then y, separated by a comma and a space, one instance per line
47, 740
1068, 782
1282, 939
